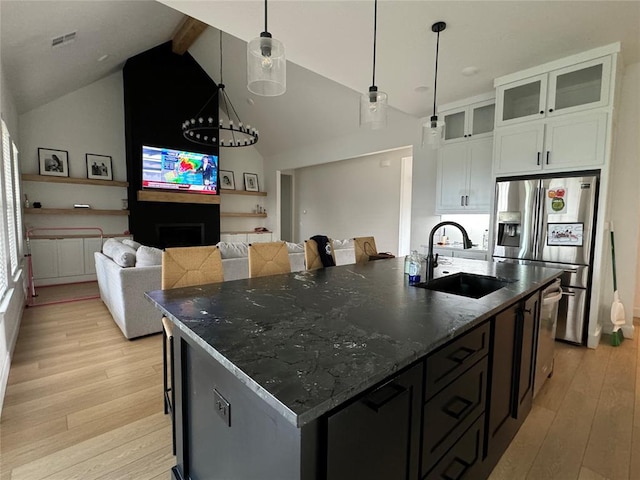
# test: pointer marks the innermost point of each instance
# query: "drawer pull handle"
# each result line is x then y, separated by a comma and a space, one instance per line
456, 407
383, 395
461, 354
456, 469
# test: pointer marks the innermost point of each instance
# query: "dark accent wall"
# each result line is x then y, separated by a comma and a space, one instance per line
161, 90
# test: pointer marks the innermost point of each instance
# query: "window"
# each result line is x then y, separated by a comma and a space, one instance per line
6, 152
11, 245
17, 208
9, 199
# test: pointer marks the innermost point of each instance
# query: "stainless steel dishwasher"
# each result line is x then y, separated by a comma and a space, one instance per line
547, 334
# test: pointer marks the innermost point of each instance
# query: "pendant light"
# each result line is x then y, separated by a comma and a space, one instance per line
433, 132
266, 64
373, 104
229, 131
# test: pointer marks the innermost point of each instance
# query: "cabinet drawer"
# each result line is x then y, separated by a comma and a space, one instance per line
464, 460
446, 364
450, 413
377, 437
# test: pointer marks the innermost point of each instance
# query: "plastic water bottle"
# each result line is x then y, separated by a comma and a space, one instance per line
414, 268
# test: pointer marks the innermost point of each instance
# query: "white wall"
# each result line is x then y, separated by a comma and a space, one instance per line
88, 120
402, 131
12, 305
625, 195
240, 160
351, 198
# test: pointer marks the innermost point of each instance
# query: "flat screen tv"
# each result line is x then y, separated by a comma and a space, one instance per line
178, 170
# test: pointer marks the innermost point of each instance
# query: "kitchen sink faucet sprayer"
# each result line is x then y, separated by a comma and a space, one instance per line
431, 261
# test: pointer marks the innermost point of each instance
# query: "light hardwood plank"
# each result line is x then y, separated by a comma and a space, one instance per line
561, 453
586, 474
517, 460
65, 458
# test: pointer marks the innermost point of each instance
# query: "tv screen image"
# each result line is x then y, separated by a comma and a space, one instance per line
168, 169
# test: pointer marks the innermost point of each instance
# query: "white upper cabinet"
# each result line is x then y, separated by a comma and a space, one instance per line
570, 89
556, 116
464, 177
469, 121
566, 143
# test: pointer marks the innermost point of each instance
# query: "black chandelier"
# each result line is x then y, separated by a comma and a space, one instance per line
229, 131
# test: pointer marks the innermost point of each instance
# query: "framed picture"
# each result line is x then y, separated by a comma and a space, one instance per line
565, 234
227, 180
251, 182
53, 162
99, 167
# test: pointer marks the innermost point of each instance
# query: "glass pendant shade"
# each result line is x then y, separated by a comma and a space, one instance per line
373, 109
266, 66
433, 133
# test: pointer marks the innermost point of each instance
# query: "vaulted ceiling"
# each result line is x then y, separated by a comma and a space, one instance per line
329, 46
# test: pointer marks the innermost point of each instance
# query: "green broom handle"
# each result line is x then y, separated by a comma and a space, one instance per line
613, 260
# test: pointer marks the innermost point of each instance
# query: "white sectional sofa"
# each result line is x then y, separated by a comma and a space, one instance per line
127, 270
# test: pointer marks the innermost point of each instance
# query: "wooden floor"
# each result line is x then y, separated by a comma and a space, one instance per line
63, 293
82, 402
85, 403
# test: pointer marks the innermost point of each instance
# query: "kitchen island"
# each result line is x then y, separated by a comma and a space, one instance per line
349, 372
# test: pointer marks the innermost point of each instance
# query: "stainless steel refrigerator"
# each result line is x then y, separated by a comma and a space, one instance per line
550, 221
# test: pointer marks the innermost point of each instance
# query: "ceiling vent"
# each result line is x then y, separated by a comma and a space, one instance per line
63, 39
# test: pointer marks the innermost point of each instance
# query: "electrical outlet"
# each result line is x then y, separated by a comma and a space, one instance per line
222, 407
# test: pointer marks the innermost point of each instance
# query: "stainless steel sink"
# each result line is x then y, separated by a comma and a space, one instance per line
465, 284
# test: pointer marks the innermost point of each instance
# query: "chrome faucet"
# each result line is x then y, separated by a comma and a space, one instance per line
433, 262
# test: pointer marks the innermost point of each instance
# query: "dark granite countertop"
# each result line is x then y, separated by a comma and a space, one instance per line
309, 341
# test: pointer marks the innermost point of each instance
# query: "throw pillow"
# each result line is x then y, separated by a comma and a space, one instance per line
148, 256
295, 247
132, 243
233, 249
121, 254
341, 244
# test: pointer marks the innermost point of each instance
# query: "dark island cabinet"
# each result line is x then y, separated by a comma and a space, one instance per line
377, 436
456, 395
449, 415
514, 333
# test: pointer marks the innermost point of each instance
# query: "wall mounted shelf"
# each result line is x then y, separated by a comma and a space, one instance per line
243, 192
73, 211
177, 197
233, 214
78, 181
53, 237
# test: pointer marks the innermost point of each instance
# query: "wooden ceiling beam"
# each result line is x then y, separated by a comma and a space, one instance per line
186, 34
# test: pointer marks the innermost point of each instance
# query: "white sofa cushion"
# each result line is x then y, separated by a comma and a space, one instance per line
122, 254
132, 243
233, 249
148, 256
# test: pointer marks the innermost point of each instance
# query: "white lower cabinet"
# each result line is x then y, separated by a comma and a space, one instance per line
55, 258
91, 245
572, 142
64, 260
464, 177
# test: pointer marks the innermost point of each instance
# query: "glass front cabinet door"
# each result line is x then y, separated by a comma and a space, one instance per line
567, 90
471, 121
579, 87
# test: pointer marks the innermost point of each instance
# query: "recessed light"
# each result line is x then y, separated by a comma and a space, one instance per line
250, 101
103, 58
421, 89
469, 71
